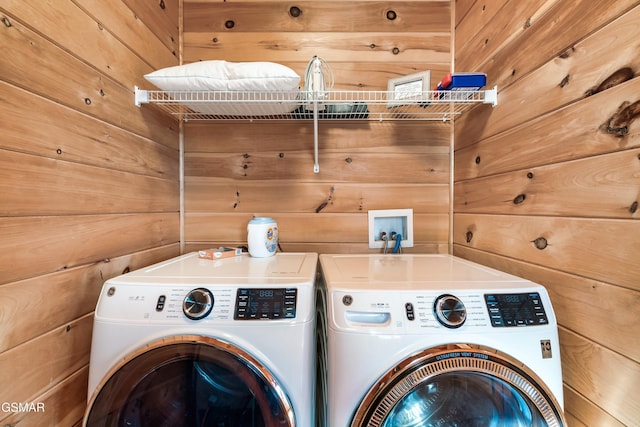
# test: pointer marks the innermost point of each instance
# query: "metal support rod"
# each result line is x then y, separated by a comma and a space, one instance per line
316, 164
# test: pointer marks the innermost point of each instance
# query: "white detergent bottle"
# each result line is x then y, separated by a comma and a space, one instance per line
262, 237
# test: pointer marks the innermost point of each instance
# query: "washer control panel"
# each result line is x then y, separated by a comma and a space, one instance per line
522, 309
464, 310
265, 303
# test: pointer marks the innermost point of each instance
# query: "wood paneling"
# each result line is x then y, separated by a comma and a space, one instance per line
326, 16
236, 170
40, 186
586, 310
57, 354
89, 183
583, 246
352, 167
161, 17
37, 62
573, 132
542, 189
546, 188
584, 410
212, 195
41, 127
33, 244
154, 39
231, 229
423, 138
81, 285
601, 186
63, 407
570, 76
339, 47
556, 30
584, 306
582, 368
363, 45
501, 22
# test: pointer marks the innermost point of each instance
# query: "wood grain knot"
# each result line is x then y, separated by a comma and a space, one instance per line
469, 236
618, 77
229, 24
619, 123
540, 243
519, 199
634, 207
391, 15
328, 200
295, 11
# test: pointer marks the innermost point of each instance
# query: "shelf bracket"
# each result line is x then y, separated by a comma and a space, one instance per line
141, 96
491, 96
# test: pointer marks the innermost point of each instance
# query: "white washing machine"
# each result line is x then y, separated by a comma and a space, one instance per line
435, 340
198, 342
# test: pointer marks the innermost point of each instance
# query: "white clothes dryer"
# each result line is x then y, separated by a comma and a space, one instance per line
435, 340
199, 342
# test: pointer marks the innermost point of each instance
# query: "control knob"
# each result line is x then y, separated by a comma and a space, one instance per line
198, 303
449, 311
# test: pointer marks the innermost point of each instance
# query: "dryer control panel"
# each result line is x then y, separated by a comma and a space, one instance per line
522, 309
265, 303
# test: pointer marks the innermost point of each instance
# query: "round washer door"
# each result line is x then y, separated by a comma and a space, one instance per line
459, 385
190, 381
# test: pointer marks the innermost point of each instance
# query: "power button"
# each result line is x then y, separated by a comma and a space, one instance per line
409, 311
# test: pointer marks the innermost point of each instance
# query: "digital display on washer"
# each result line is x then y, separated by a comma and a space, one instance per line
516, 309
265, 303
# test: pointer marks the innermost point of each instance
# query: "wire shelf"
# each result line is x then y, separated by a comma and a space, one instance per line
299, 105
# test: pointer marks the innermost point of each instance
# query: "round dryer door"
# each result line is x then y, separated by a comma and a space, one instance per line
459, 385
190, 381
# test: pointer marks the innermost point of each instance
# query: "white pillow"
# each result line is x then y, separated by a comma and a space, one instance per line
221, 75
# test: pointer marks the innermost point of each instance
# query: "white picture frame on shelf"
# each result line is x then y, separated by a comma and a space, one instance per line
409, 89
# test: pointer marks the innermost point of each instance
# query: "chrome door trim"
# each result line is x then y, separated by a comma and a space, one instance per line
422, 366
241, 355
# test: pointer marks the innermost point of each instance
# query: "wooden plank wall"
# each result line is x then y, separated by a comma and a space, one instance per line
236, 171
89, 184
547, 183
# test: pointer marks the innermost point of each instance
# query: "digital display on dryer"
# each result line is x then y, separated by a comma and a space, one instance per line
523, 309
265, 303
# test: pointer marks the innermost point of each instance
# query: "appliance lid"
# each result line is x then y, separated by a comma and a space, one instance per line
411, 271
281, 269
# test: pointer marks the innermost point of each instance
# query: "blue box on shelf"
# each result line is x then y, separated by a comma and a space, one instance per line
462, 81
